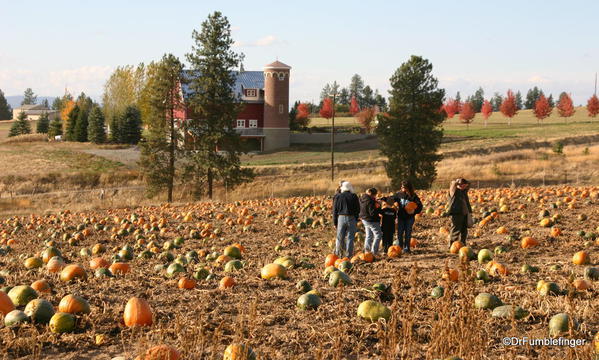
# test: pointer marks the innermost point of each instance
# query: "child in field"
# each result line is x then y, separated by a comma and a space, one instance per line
388, 216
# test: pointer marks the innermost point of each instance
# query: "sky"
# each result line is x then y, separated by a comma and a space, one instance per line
47, 45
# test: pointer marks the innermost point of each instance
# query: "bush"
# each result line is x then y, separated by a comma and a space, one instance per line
558, 147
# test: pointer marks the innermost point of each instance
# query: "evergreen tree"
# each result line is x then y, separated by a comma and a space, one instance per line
216, 146
5, 109
71, 124
57, 104
95, 126
160, 147
532, 95
325, 92
368, 97
519, 100
130, 125
55, 127
20, 126
292, 114
80, 132
29, 98
45, 104
496, 101
43, 123
380, 101
414, 117
550, 100
344, 97
478, 99
116, 130
356, 86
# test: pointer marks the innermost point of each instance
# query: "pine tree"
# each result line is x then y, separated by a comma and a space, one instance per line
356, 87
496, 101
45, 104
216, 146
57, 104
55, 127
367, 97
29, 98
95, 126
343, 97
130, 125
71, 124
414, 117
325, 92
518, 100
80, 131
20, 126
5, 109
478, 99
380, 101
43, 123
551, 101
160, 146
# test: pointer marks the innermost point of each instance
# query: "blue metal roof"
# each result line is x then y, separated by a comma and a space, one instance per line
243, 80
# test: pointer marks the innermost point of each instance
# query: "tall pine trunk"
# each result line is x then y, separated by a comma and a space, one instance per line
171, 165
209, 178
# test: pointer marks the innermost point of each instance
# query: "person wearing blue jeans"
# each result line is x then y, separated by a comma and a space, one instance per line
370, 214
409, 205
346, 208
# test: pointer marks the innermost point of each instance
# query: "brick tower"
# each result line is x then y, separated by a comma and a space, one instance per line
276, 106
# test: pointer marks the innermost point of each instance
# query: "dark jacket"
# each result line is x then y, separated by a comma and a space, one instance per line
402, 197
369, 209
345, 203
456, 202
388, 219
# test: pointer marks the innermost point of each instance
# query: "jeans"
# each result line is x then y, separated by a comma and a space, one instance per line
373, 236
346, 226
404, 231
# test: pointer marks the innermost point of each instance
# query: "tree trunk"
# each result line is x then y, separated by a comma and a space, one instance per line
171, 160
209, 178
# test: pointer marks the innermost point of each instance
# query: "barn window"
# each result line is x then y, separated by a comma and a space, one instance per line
253, 123
281, 76
250, 92
240, 123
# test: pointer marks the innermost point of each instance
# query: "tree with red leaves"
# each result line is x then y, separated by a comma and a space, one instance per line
542, 108
451, 108
486, 110
353, 107
565, 108
326, 111
365, 118
508, 107
593, 106
302, 116
467, 113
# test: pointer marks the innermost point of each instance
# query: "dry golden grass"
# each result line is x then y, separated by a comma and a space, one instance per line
26, 139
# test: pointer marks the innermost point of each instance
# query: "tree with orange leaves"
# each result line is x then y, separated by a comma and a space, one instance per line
565, 107
353, 107
365, 118
486, 110
326, 111
542, 108
467, 113
593, 106
509, 107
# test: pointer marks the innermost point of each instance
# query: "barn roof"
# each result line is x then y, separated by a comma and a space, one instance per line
243, 80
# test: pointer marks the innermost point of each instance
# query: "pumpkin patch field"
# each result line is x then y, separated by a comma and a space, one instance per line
257, 280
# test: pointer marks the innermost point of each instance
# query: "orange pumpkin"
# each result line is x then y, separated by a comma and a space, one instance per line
72, 272
528, 242
455, 247
162, 352
41, 286
555, 231
581, 284
413, 243
497, 269
502, 230
97, 263
186, 283
55, 265
368, 257
451, 275
394, 251
410, 207
226, 282
119, 268
222, 259
340, 260
330, 260
6, 305
137, 313
73, 305
581, 258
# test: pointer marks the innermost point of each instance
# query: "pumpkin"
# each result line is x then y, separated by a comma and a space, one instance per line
137, 313
233, 265
581, 258
466, 254
591, 273
226, 282
410, 207
455, 247
394, 251
14, 318
55, 265
6, 304
21, 295
119, 268
33, 263
548, 288
303, 286
62, 323
501, 230
72, 272
41, 286
546, 222
373, 311
308, 301
484, 256
271, 271
581, 284
222, 259
486, 301
413, 243
186, 283
528, 242
437, 292
451, 275
559, 324
239, 352
97, 263
233, 252
509, 311
49, 253
74, 304
40, 311
367, 257
162, 352
330, 260
497, 268
339, 278
288, 261
555, 232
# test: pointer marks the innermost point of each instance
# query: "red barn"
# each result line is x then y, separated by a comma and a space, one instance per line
264, 120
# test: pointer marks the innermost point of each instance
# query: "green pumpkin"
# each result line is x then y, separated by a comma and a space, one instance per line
549, 288
173, 269
181, 260
309, 301
103, 272
373, 311
483, 275
39, 311
62, 323
15, 318
591, 273
126, 254
509, 311
303, 286
201, 274
166, 256
559, 324
526, 269
21, 295
500, 250
286, 261
486, 301
339, 278
484, 256
437, 292
380, 287
179, 241
233, 265
233, 252
146, 254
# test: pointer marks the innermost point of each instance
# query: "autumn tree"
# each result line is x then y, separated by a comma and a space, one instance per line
20, 126
123, 89
451, 108
353, 107
509, 107
467, 113
486, 110
542, 109
67, 106
565, 107
593, 106
326, 110
365, 118
302, 116
410, 134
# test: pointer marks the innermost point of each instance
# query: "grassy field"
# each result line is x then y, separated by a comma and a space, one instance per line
5, 127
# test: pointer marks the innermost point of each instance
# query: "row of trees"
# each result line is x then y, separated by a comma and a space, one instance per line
354, 97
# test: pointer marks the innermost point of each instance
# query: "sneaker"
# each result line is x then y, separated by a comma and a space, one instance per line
406, 250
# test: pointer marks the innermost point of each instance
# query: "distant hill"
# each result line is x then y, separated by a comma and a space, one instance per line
15, 100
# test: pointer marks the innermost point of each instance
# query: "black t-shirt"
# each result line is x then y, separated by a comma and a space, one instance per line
389, 215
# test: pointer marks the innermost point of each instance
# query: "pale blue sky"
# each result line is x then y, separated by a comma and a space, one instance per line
498, 45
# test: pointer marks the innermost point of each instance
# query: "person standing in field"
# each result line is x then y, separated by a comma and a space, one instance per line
370, 215
346, 208
388, 218
460, 210
409, 205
